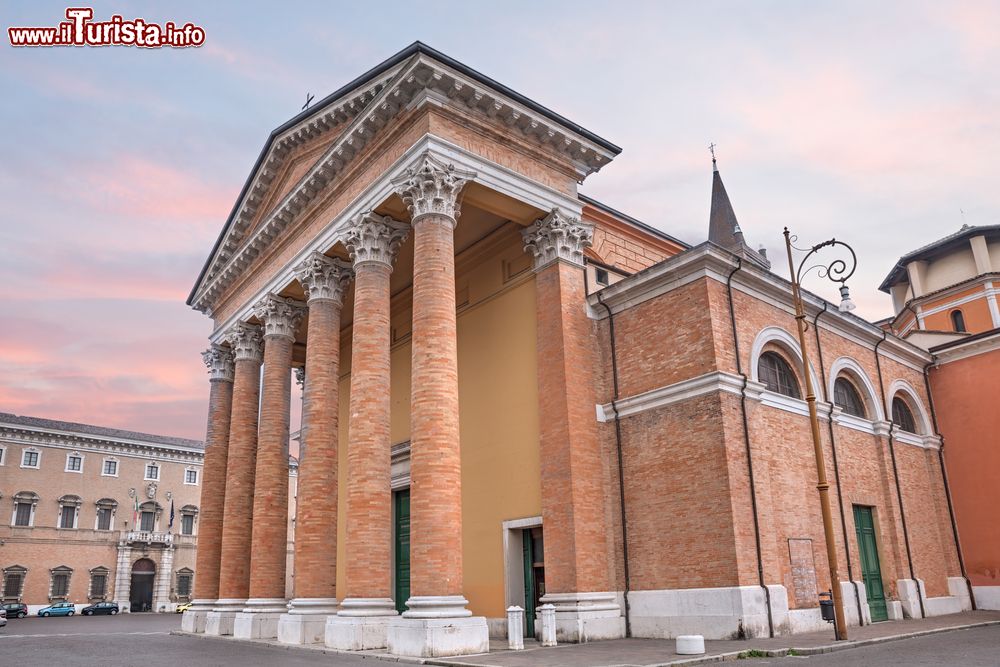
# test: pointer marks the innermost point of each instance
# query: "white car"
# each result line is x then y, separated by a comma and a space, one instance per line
3, 617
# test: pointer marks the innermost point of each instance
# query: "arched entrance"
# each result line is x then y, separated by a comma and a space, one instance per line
141, 591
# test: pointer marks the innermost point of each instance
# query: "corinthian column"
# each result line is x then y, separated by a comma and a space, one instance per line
234, 564
360, 624
577, 575
213, 487
324, 281
269, 545
437, 621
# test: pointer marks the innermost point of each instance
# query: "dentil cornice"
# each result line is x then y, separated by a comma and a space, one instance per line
375, 238
432, 187
246, 342
281, 316
324, 278
219, 361
557, 237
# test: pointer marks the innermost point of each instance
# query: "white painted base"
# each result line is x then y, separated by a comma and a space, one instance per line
194, 621
259, 620
689, 645
438, 637
987, 597
219, 621
908, 591
305, 622
715, 613
959, 588
894, 610
585, 617
851, 602
909, 597
360, 624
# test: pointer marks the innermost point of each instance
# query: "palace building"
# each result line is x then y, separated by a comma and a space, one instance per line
97, 514
517, 395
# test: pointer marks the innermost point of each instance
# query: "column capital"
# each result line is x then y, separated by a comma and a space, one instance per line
246, 342
432, 187
280, 315
324, 278
556, 237
219, 361
375, 238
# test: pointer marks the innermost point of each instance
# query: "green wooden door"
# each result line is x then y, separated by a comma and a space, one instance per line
401, 547
529, 583
871, 572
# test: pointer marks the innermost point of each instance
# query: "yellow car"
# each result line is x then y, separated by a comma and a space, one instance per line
181, 608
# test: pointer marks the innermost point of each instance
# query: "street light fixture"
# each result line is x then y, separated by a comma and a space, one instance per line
838, 271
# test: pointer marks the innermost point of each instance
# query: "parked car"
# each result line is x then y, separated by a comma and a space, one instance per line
3, 617
58, 609
15, 609
181, 608
100, 608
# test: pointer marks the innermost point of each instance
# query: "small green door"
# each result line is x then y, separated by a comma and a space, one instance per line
871, 572
534, 576
401, 511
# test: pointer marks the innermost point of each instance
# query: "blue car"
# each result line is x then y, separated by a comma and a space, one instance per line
58, 609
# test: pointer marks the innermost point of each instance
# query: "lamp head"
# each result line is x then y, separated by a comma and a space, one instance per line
846, 305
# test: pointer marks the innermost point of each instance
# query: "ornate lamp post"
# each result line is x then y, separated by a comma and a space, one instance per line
837, 271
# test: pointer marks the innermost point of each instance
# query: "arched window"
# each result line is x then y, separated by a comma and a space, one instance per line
902, 415
774, 371
958, 321
847, 398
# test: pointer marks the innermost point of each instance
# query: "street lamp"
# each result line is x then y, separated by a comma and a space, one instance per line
837, 271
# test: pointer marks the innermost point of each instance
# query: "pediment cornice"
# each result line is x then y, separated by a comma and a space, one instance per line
358, 116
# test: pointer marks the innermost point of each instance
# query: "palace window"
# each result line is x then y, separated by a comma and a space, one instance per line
188, 513
902, 415
13, 583
98, 582
184, 579
69, 511
847, 398
958, 321
777, 374
105, 513
191, 476
110, 468
31, 458
152, 471
59, 586
74, 462
24, 509
3, 455
148, 513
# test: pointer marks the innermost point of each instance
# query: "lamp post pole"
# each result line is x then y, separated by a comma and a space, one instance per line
837, 271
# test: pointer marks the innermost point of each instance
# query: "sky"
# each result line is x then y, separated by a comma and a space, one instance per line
875, 123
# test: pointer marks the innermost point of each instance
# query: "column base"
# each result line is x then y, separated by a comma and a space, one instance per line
193, 620
436, 627
585, 617
305, 621
219, 621
259, 620
360, 624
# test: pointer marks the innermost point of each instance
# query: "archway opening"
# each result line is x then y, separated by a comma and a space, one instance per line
141, 590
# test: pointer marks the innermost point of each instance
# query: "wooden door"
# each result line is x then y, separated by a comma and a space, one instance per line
871, 571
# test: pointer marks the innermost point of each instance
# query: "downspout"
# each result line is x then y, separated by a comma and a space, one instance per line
746, 440
836, 467
621, 465
947, 487
887, 411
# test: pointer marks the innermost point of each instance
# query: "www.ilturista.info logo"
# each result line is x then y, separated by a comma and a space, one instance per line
80, 30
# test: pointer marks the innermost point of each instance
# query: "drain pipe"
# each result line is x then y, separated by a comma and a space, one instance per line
621, 465
895, 473
746, 440
836, 467
947, 487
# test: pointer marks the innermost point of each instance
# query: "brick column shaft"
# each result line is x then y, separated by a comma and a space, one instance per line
234, 577
435, 457
316, 509
572, 495
270, 498
369, 500
213, 490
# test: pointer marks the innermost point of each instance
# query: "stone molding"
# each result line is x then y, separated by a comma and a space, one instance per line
375, 238
432, 187
557, 237
324, 278
246, 342
219, 361
281, 316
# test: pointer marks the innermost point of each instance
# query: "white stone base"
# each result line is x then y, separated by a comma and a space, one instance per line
894, 610
438, 637
259, 620
909, 590
305, 622
987, 597
360, 624
585, 617
194, 620
219, 621
847, 594
715, 613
